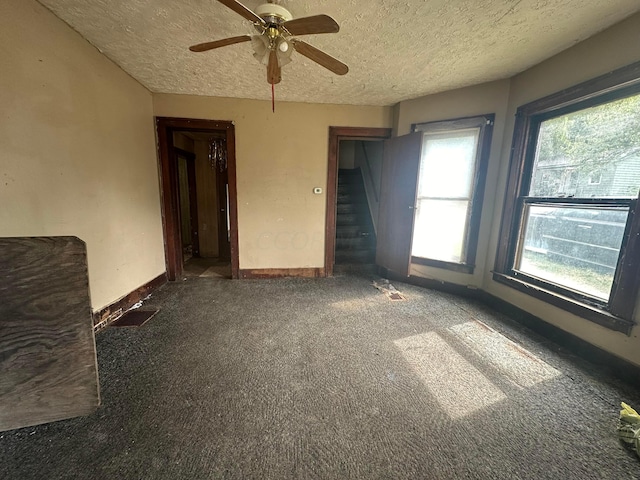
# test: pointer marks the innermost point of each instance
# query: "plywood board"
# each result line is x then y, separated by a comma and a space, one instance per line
48, 367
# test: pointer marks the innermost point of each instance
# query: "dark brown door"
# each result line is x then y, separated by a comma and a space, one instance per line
400, 164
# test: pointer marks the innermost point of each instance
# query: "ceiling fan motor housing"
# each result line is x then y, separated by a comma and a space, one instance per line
272, 13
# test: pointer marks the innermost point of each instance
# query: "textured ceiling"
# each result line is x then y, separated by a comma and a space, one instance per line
396, 49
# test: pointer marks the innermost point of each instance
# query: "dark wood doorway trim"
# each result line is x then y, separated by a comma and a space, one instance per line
335, 135
168, 187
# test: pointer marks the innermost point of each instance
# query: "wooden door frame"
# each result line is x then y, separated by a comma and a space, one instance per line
336, 134
168, 180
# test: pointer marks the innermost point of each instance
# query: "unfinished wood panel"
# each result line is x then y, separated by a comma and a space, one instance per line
48, 367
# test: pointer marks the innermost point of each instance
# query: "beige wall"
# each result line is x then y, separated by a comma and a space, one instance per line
465, 102
77, 150
280, 158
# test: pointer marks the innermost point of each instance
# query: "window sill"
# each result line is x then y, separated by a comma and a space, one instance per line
585, 311
455, 267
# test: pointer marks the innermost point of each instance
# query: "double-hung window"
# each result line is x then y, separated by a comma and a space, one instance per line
571, 229
450, 188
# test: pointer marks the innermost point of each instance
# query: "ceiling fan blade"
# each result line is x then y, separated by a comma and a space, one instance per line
318, 56
240, 9
203, 47
273, 69
309, 25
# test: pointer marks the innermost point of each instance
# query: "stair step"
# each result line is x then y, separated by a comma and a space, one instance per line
361, 208
350, 231
349, 171
367, 270
352, 197
349, 174
350, 180
355, 239
354, 243
351, 188
349, 219
355, 256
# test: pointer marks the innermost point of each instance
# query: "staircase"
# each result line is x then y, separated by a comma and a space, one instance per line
355, 237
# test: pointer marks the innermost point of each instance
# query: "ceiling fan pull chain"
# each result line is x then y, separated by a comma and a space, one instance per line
273, 98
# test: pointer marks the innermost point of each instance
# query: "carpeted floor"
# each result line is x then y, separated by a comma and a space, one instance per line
329, 379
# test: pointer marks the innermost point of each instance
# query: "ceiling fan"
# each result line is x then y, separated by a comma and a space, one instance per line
277, 29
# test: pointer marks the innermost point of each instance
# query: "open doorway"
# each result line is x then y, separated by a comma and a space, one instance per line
353, 183
197, 160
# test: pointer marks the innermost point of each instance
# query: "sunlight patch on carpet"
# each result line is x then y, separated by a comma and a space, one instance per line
514, 362
458, 387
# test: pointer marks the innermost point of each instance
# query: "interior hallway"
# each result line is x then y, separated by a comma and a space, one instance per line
328, 378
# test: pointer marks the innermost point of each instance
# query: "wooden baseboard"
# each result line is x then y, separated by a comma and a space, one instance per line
615, 365
448, 287
282, 272
112, 312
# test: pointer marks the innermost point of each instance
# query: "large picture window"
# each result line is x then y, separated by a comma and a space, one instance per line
570, 226
449, 192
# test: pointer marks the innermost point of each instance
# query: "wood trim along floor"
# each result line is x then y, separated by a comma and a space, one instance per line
282, 272
107, 315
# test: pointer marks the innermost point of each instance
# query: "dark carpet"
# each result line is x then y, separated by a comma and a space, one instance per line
329, 379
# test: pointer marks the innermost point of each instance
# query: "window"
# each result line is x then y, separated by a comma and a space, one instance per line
595, 178
449, 193
570, 229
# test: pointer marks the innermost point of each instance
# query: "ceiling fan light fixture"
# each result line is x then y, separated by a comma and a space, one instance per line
284, 57
260, 45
